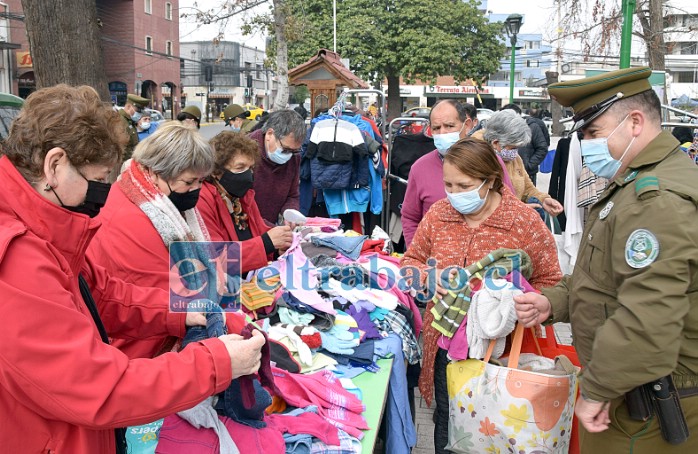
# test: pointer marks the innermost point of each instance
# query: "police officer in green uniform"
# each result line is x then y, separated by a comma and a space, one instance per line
130, 115
632, 299
235, 116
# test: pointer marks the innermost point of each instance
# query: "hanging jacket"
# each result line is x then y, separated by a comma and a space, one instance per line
330, 167
61, 388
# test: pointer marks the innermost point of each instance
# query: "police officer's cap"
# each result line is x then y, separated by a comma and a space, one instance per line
233, 111
138, 101
592, 96
193, 111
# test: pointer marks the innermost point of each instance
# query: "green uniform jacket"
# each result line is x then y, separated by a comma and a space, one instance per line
634, 324
132, 134
247, 125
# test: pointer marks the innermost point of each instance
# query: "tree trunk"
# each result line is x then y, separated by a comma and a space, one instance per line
652, 21
281, 99
394, 101
65, 43
555, 108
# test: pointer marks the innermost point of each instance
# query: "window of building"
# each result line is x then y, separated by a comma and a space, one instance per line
148, 44
685, 77
689, 48
168, 48
168, 11
532, 63
532, 44
148, 6
259, 69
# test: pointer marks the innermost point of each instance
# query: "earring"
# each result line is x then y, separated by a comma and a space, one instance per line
47, 188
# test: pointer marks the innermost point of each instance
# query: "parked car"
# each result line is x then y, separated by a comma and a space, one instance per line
156, 116
483, 115
422, 112
10, 105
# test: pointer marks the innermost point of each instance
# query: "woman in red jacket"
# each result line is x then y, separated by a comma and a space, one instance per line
227, 204
63, 388
478, 216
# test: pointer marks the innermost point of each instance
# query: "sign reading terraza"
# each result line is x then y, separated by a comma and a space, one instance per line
468, 89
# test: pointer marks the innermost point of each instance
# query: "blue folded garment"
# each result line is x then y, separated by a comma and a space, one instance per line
347, 245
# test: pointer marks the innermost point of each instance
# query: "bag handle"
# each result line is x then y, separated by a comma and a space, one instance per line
515, 351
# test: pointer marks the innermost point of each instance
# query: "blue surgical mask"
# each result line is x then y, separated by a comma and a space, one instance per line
598, 157
443, 142
136, 116
279, 157
234, 129
468, 202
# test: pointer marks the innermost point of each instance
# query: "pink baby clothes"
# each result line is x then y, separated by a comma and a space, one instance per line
322, 389
177, 436
306, 423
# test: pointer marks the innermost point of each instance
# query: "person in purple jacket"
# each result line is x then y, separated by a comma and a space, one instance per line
277, 171
450, 121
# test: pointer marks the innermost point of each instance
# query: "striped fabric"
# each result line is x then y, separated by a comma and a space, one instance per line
449, 311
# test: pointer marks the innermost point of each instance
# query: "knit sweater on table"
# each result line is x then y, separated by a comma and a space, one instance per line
444, 236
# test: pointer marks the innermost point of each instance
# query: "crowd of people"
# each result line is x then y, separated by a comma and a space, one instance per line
85, 266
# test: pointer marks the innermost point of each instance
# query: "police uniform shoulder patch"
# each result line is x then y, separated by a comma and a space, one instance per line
641, 249
646, 184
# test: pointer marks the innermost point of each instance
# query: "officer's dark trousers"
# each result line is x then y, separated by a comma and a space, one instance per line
441, 399
635, 437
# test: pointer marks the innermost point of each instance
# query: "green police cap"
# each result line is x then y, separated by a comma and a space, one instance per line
592, 96
193, 111
231, 112
138, 100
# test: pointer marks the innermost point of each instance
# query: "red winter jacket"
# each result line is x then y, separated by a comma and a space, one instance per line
62, 390
220, 225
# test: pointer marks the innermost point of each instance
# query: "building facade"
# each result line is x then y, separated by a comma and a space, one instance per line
218, 73
681, 38
140, 41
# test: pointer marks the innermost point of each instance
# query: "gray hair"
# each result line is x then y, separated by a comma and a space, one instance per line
173, 149
508, 128
286, 122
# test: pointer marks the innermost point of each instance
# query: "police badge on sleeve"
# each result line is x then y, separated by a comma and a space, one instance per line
641, 249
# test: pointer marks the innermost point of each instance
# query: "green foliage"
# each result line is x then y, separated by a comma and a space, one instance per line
414, 39
300, 94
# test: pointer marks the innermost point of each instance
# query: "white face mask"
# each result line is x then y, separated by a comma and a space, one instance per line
145, 125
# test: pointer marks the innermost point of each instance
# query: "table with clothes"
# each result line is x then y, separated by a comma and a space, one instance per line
340, 331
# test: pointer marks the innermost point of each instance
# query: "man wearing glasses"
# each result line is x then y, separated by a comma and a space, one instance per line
632, 299
277, 171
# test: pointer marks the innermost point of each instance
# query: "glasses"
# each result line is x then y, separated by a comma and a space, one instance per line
286, 149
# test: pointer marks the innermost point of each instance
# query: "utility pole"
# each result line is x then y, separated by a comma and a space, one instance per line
627, 33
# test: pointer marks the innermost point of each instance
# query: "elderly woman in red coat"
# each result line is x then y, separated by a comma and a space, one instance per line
227, 203
478, 216
64, 388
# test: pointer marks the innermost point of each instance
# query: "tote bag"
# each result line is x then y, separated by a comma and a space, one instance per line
546, 165
504, 409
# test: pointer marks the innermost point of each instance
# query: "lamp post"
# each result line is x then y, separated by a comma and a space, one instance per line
513, 24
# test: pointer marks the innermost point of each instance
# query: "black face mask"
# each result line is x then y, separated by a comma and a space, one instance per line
237, 184
184, 201
95, 198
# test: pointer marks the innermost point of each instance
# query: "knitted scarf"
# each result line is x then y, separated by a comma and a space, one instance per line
140, 189
234, 206
450, 311
187, 229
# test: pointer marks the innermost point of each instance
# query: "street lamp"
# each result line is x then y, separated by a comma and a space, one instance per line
513, 24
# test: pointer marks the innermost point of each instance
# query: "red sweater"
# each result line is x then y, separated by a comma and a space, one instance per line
275, 186
444, 235
63, 389
220, 225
